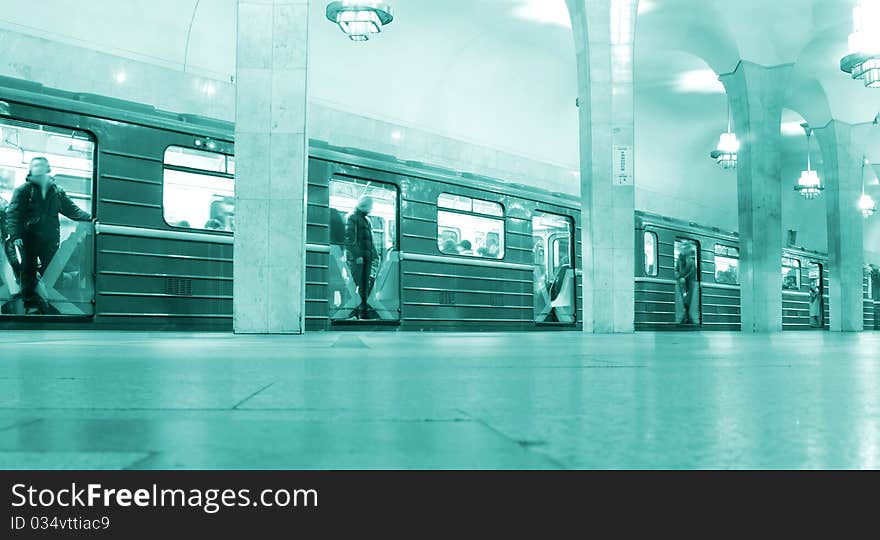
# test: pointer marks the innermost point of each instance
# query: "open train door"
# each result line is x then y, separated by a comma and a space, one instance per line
817, 295
554, 274
363, 281
688, 294
60, 277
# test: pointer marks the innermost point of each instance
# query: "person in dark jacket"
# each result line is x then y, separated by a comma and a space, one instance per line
686, 306
360, 250
33, 226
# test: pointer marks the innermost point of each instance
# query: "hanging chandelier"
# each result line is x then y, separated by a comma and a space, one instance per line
863, 60
360, 19
809, 184
867, 206
728, 146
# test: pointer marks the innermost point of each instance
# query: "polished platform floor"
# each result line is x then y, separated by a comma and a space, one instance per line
425, 400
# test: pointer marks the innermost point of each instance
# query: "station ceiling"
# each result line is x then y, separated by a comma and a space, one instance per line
462, 66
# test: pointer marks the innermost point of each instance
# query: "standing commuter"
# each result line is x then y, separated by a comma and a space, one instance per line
32, 222
361, 251
686, 303
815, 305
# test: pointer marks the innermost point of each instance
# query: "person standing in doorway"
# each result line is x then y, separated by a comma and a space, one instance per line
34, 228
686, 311
815, 305
361, 251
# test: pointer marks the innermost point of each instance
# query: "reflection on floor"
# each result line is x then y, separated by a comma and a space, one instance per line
407, 400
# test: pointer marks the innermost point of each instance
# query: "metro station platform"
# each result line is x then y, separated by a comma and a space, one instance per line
436, 400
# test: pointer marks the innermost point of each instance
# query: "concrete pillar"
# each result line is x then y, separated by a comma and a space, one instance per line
756, 95
843, 187
603, 37
271, 165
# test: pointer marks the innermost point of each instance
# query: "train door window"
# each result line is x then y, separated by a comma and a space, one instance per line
726, 265
817, 311
554, 274
650, 243
688, 309
364, 269
470, 227
198, 189
791, 274
51, 271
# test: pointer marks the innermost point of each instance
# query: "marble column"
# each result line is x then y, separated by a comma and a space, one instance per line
271, 164
756, 95
603, 38
843, 187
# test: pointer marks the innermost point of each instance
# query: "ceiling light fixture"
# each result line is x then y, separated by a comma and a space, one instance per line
863, 60
809, 184
728, 146
359, 19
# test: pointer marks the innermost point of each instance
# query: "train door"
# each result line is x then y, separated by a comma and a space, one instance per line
364, 269
688, 302
52, 270
817, 292
554, 274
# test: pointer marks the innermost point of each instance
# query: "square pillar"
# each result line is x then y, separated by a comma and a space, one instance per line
271, 155
843, 187
603, 36
756, 95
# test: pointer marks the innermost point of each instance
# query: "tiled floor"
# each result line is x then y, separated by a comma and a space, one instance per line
422, 400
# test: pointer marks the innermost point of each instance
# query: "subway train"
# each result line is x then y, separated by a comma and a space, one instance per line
453, 250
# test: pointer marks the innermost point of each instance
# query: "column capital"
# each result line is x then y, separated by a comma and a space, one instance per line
748, 64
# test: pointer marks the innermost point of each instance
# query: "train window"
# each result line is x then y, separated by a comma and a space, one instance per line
198, 189
651, 266
467, 204
466, 229
791, 274
59, 279
726, 265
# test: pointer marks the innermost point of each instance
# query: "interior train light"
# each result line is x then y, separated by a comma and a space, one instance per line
867, 206
863, 60
360, 19
809, 184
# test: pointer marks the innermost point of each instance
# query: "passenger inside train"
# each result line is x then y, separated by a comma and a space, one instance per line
361, 252
686, 283
222, 212
815, 305
35, 230
465, 248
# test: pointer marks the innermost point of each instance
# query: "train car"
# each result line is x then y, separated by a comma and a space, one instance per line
659, 241
455, 251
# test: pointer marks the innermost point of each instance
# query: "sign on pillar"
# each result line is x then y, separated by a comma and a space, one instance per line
623, 166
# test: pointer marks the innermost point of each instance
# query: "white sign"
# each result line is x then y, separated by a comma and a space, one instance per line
622, 167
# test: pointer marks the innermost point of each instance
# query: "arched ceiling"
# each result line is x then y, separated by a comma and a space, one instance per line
498, 72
